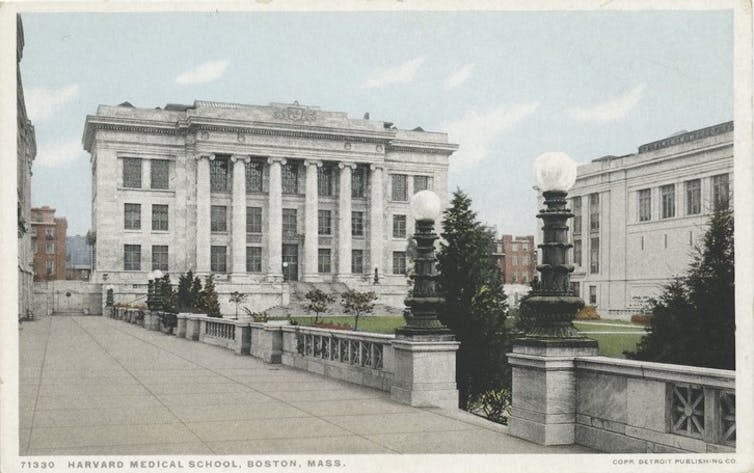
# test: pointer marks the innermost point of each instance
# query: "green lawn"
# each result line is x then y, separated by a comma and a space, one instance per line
615, 344
367, 323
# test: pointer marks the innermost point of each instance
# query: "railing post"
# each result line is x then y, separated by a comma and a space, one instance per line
242, 339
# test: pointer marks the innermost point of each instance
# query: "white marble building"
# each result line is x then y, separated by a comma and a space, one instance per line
257, 195
639, 216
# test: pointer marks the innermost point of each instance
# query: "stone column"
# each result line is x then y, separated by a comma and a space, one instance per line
311, 221
344, 225
376, 208
238, 221
275, 222
203, 213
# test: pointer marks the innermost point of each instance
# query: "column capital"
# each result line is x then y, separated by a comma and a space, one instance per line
240, 157
376, 167
313, 162
343, 165
273, 160
210, 156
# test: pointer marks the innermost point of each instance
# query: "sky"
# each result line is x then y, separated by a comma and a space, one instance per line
505, 86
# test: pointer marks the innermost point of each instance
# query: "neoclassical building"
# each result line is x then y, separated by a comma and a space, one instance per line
638, 217
257, 195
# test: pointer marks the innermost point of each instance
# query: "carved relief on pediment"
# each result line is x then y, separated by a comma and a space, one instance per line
295, 114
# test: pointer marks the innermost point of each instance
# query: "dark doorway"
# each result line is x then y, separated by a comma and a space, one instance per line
290, 262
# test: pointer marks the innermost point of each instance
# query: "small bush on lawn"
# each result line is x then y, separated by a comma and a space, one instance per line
643, 319
589, 312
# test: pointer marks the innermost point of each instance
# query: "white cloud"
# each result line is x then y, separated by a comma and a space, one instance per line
58, 154
400, 74
203, 73
459, 76
476, 131
43, 103
610, 110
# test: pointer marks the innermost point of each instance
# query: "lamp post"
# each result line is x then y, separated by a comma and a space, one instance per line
424, 303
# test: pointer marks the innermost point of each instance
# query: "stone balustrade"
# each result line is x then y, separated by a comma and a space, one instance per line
227, 333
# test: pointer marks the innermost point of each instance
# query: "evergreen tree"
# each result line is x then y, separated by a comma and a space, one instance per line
209, 302
693, 320
195, 295
183, 296
165, 294
475, 308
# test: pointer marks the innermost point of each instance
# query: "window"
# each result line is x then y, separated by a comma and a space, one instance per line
720, 191
132, 172
357, 223
421, 183
49, 233
515, 261
218, 174
645, 205
593, 295
358, 182
399, 262
131, 257
323, 260
253, 219
576, 288
325, 219
324, 180
50, 267
33, 232
253, 259
160, 257
159, 217
594, 256
290, 178
219, 218
399, 226
399, 187
34, 246
160, 173
50, 248
594, 212
577, 215
668, 200
132, 213
290, 228
254, 176
577, 252
357, 261
693, 197
218, 259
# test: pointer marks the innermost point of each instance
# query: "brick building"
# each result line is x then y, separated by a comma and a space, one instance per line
516, 258
48, 244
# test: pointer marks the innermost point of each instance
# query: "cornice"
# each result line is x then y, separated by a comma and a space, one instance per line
422, 146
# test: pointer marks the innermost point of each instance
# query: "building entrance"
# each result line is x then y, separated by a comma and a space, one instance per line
290, 262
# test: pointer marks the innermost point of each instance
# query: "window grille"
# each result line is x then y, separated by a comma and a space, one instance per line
325, 222
290, 178
218, 218
160, 257
253, 259
357, 261
720, 191
357, 223
399, 226
594, 256
645, 205
594, 212
132, 172
323, 260
160, 173
399, 262
358, 182
290, 228
131, 257
253, 219
132, 213
218, 259
399, 187
668, 200
324, 180
577, 215
254, 172
421, 183
218, 174
693, 197
159, 217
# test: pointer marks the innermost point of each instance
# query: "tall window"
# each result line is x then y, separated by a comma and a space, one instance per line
594, 212
160, 257
289, 223
399, 262
132, 214
218, 174
577, 215
132, 172
218, 262
254, 171
576, 288
693, 197
324, 180
399, 187
594, 256
577, 252
593, 295
50, 267
421, 183
131, 257
160, 173
720, 191
219, 218
325, 222
357, 223
645, 205
357, 261
668, 200
50, 234
399, 226
323, 260
159, 217
290, 178
50, 248
358, 182
253, 259
253, 219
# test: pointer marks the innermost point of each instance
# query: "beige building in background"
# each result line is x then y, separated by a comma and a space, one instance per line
639, 216
260, 196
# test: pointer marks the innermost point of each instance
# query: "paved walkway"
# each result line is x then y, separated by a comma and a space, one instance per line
93, 385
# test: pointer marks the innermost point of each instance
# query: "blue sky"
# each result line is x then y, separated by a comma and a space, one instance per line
506, 86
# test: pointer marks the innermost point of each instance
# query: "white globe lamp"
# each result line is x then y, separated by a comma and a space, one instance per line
555, 172
426, 205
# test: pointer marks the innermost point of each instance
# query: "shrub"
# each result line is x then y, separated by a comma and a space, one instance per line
209, 303
237, 298
256, 316
356, 303
318, 302
588, 312
333, 325
495, 405
643, 319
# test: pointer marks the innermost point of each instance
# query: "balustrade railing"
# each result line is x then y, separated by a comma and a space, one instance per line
220, 330
703, 412
350, 350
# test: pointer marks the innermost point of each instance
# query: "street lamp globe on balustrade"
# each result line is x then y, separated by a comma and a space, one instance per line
552, 303
424, 303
